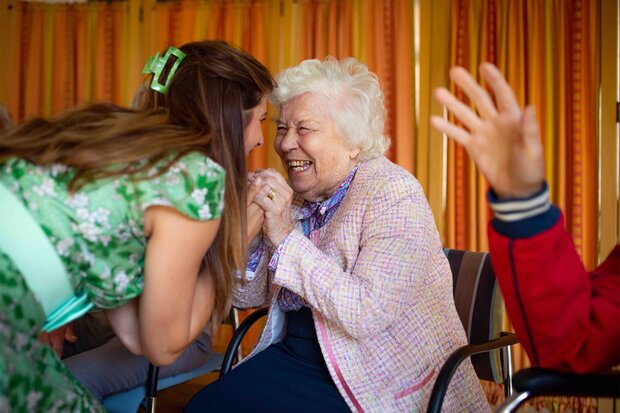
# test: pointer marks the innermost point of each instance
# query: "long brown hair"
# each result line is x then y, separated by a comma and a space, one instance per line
203, 110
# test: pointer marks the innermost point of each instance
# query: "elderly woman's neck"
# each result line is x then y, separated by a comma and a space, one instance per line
338, 179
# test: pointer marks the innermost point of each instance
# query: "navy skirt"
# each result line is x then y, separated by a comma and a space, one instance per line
290, 376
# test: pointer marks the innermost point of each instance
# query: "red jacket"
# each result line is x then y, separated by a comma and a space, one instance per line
566, 317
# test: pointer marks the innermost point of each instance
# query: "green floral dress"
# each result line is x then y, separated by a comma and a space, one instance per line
98, 233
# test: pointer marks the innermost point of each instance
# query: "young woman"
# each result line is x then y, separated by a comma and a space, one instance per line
123, 210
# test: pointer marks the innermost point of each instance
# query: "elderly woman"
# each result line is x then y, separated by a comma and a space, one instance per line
350, 263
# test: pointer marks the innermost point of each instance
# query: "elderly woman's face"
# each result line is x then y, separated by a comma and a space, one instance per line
311, 147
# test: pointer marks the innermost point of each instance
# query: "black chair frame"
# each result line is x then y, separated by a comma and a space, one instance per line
237, 336
153, 371
151, 388
455, 359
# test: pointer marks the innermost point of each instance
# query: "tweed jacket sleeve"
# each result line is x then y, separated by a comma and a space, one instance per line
368, 265
253, 290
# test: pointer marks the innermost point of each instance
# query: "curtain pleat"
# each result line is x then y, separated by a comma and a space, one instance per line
32, 45
583, 113
62, 69
431, 56
83, 57
403, 98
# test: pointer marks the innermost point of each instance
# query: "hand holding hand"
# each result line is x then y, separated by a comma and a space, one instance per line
503, 141
256, 215
274, 197
56, 339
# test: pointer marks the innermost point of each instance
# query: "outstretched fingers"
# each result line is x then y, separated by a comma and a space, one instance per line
531, 130
462, 112
504, 95
457, 133
476, 93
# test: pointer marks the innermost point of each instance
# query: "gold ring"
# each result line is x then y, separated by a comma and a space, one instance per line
271, 194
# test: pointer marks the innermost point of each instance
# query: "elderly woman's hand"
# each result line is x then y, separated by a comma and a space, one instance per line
274, 197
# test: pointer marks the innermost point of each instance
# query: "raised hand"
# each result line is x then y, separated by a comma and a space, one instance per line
503, 139
275, 199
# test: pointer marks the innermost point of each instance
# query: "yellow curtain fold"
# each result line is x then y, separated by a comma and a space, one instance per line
62, 69
430, 50
33, 60
609, 148
11, 21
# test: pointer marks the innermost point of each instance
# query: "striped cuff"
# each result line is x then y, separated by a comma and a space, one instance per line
523, 217
516, 209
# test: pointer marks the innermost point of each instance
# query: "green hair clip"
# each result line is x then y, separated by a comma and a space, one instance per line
156, 64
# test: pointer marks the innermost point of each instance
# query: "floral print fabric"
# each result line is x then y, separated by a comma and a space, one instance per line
98, 234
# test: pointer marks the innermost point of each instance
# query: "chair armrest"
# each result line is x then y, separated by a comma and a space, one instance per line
544, 382
454, 361
151, 387
237, 336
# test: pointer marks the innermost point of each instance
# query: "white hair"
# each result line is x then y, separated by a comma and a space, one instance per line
358, 102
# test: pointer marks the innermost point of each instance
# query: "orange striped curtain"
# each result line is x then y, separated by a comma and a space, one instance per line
55, 62
63, 55
548, 52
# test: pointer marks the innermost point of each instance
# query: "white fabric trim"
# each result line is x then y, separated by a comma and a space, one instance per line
520, 205
523, 215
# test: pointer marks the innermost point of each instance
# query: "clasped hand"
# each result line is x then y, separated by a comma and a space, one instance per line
269, 194
56, 339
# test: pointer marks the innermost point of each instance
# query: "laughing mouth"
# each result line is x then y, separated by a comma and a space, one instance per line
299, 166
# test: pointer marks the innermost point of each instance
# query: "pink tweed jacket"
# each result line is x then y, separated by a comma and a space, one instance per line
380, 289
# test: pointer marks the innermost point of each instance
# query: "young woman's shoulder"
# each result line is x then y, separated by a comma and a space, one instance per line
200, 164
193, 184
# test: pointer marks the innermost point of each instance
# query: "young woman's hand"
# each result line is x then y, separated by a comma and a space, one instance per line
56, 339
502, 139
256, 215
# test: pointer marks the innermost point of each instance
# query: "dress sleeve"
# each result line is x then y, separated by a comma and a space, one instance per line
193, 185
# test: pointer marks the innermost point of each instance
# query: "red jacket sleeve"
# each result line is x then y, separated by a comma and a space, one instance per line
566, 317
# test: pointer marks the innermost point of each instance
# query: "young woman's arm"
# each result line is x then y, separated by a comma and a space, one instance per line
124, 322
177, 300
